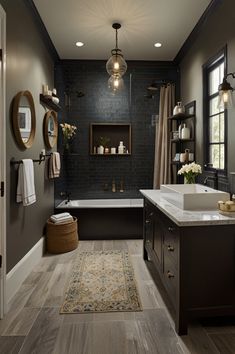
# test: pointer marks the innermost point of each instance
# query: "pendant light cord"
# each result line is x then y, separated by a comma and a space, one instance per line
116, 38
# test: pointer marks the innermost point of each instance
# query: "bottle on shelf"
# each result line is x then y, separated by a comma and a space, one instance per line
121, 148
185, 132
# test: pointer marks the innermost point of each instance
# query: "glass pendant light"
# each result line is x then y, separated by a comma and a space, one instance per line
225, 93
116, 64
115, 83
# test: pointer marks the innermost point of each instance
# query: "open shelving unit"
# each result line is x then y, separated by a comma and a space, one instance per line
178, 146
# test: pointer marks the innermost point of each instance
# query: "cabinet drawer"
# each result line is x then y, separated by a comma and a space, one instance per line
171, 278
171, 242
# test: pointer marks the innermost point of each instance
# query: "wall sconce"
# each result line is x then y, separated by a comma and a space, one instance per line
225, 93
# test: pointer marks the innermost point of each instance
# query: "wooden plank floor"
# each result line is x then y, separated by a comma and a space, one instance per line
34, 325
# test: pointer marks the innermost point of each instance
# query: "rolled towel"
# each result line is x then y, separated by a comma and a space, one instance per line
59, 216
62, 220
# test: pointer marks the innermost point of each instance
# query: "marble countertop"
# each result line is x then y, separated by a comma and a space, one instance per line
186, 217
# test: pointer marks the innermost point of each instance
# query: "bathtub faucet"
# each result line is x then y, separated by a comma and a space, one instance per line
66, 195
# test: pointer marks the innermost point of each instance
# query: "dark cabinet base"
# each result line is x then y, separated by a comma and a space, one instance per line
196, 267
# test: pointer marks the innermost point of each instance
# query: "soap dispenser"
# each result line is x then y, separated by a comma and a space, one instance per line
185, 132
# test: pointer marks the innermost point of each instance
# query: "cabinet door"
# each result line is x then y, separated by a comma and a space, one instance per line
158, 237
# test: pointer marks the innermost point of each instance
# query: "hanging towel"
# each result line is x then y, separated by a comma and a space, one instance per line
25, 186
54, 165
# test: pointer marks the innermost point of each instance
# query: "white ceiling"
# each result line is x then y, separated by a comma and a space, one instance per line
144, 22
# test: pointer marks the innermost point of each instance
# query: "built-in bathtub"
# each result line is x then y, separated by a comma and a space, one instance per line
102, 219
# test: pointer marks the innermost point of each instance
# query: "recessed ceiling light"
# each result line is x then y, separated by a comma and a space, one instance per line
79, 44
158, 45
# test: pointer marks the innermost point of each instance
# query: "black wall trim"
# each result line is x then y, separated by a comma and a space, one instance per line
197, 29
42, 29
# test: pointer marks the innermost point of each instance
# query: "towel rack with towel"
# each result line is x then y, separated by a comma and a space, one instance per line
42, 158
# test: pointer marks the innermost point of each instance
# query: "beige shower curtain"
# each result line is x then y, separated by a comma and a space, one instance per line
162, 171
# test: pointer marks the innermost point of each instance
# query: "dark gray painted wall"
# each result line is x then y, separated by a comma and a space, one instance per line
86, 175
29, 65
216, 33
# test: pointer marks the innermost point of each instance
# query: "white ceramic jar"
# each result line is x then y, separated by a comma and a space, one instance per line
185, 132
179, 108
100, 150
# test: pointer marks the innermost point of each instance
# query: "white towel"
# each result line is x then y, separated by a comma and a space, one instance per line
25, 186
62, 220
54, 165
59, 216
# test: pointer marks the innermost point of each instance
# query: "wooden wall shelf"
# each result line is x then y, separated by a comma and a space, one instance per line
49, 104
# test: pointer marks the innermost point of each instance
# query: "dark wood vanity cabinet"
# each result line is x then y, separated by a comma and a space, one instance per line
196, 265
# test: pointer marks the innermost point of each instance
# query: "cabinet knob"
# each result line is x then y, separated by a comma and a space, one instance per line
147, 221
171, 229
170, 248
151, 214
170, 275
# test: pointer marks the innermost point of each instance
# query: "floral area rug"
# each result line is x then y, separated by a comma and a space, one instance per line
102, 281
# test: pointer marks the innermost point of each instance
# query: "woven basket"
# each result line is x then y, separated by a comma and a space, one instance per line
61, 237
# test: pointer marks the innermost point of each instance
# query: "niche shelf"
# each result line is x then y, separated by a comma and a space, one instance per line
115, 132
49, 104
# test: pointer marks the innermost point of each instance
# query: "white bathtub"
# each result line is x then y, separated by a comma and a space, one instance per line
101, 203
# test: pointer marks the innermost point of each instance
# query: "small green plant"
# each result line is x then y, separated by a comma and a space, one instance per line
103, 141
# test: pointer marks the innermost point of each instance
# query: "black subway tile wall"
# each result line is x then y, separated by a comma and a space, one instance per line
84, 175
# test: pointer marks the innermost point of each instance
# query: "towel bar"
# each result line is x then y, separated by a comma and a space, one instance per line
41, 159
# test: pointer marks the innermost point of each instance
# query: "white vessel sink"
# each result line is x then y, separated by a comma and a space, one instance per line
192, 196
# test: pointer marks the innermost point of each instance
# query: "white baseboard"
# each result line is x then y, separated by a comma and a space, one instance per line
21, 270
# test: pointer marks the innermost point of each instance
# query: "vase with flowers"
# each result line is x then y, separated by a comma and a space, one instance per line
190, 171
68, 131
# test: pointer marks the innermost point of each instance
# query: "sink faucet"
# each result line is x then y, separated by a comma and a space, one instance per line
205, 180
66, 195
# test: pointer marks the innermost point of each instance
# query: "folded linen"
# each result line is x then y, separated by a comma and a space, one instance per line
62, 220
59, 216
25, 187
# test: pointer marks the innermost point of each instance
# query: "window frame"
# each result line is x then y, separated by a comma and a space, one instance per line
207, 68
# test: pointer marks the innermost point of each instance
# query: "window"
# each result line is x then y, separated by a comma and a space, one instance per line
214, 117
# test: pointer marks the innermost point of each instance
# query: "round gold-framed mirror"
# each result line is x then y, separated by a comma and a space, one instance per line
50, 129
24, 119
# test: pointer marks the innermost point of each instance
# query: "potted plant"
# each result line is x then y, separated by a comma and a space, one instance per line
103, 142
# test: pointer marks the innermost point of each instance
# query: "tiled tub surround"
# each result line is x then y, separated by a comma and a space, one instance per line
193, 252
84, 175
101, 219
